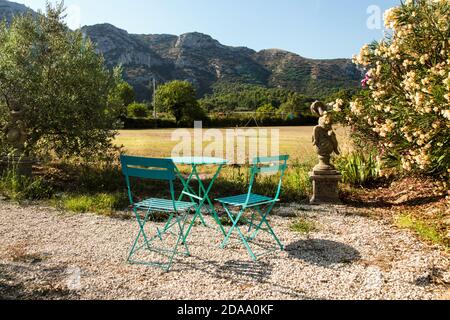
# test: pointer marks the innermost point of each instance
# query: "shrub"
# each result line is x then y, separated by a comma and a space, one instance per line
303, 226
220, 121
425, 230
226, 221
266, 111
120, 98
404, 111
138, 110
296, 183
17, 188
359, 169
146, 123
102, 203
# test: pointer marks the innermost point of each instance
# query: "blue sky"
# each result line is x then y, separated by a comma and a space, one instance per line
311, 28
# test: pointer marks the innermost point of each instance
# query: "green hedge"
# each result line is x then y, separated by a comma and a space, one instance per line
241, 121
142, 123
221, 122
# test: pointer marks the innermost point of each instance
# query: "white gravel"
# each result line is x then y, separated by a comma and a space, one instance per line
46, 254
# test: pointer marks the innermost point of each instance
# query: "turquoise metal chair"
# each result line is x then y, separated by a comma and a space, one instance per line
255, 202
160, 170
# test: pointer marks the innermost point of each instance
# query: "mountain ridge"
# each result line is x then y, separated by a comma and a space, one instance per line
204, 61
9, 9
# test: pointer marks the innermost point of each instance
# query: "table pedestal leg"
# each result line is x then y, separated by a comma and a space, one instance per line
203, 197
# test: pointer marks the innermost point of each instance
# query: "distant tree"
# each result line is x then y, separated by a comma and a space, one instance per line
126, 93
121, 97
138, 110
266, 111
295, 105
244, 97
56, 77
180, 99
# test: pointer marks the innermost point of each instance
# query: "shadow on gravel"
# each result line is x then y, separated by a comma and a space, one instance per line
257, 271
386, 204
29, 282
323, 253
243, 273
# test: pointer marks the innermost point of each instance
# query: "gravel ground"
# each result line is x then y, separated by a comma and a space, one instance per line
46, 254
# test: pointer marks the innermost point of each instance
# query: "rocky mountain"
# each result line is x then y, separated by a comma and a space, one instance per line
205, 62
193, 56
289, 70
9, 9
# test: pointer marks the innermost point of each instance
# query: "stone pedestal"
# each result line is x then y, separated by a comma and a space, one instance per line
325, 186
22, 165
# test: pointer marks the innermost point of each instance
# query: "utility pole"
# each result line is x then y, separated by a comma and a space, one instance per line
154, 98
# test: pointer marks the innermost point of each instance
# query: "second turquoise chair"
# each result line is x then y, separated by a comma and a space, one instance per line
255, 202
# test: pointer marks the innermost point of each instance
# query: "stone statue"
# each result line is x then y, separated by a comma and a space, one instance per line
16, 137
324, 176
15, 133
324, 138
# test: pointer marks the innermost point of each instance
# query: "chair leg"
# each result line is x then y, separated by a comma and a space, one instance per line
141, 231
234, 224
264, 221
236, 227
251, 222
246, 244
245, 239
179, 240
275, 237
180, 222
191, 225
181, 228
259, 226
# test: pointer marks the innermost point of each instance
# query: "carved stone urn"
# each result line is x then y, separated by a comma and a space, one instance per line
325, 177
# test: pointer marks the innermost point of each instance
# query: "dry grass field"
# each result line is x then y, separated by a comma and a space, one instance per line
294, 141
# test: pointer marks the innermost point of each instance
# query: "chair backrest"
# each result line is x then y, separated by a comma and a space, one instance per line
148, 168
263, 165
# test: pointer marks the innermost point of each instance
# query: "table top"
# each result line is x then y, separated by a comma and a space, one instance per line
199, 161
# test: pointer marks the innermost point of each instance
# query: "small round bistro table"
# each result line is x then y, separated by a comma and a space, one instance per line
203, 194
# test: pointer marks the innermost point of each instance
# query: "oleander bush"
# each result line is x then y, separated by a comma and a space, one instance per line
404, 111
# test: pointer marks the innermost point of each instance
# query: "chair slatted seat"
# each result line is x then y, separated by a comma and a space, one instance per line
241, 200
164, 205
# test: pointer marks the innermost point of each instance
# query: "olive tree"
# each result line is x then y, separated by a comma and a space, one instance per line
59, 81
